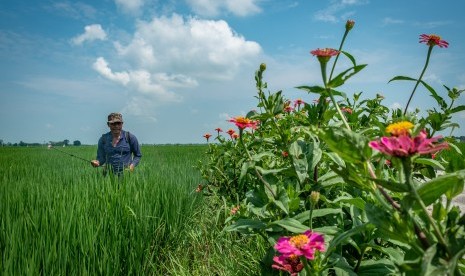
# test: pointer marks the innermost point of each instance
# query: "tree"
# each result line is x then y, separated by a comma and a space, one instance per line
77, 143
66, 142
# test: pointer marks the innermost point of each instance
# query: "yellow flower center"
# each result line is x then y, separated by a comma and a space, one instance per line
243, 120
399, 128
299, 241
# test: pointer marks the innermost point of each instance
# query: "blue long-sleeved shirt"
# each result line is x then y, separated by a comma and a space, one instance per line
120, 156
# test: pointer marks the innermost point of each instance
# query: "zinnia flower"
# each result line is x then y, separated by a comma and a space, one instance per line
230, 132
207, 136
235, 135
291, 264
298, 102
242, 122
305, 244
404, 145
347, 110
399, 128
325, 54
432, 40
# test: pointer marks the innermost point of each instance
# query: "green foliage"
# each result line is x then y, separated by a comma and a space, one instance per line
380, 213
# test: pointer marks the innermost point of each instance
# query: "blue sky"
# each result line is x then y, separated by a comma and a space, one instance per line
180, 69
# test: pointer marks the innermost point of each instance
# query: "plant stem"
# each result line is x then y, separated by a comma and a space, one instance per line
430, 49
267, 185
406, 162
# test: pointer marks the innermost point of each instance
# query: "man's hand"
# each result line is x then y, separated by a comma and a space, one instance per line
131, 167
95, 163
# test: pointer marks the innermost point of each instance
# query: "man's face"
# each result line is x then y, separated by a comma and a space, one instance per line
115, 127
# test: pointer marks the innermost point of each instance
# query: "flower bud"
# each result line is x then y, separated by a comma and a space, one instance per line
350, 24
314, 198
262, 67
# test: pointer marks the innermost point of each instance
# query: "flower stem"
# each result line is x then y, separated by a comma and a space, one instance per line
267, 185
430, 49
406, 162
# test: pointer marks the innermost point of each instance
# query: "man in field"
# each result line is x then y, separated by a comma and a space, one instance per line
117, 149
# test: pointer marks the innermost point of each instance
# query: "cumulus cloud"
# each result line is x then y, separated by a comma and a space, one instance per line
169, 55
132, 7
141, 81
216, 7
91, 33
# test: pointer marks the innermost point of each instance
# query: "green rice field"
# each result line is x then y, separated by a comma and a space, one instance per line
60, 216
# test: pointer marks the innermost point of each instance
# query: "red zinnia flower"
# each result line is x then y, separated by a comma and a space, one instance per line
291, 264
218, 130
230, 132
207, 136
432, 40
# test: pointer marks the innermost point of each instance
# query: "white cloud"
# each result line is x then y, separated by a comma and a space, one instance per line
333, 12
197, 50
216, 7
391, 21
130, 6
101, 66
91, 33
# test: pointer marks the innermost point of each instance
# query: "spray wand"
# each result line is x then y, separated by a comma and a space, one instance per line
72, 155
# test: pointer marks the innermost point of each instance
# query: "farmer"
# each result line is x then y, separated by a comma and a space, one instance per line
118, 149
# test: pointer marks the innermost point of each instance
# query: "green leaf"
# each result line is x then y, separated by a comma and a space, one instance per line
350, 57
292, 225
391, 185
457, 109
342, 77
344, 236
435, 188
312, 89
402, 78
351, 146
305, 216
430, 162
377, 267
245, 224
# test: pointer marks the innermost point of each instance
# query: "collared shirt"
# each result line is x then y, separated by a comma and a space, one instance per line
120, 156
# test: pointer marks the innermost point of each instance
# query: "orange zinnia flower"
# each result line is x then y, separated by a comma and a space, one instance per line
243, 122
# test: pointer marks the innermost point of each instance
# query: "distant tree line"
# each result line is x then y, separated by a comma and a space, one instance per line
65, 143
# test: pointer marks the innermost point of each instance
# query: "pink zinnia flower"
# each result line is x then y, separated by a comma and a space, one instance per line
432, 40
298, 102
291, 264
242, 122
305, 244
325, 54
404, 145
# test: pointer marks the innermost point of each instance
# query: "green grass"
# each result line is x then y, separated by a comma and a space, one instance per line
60, 216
